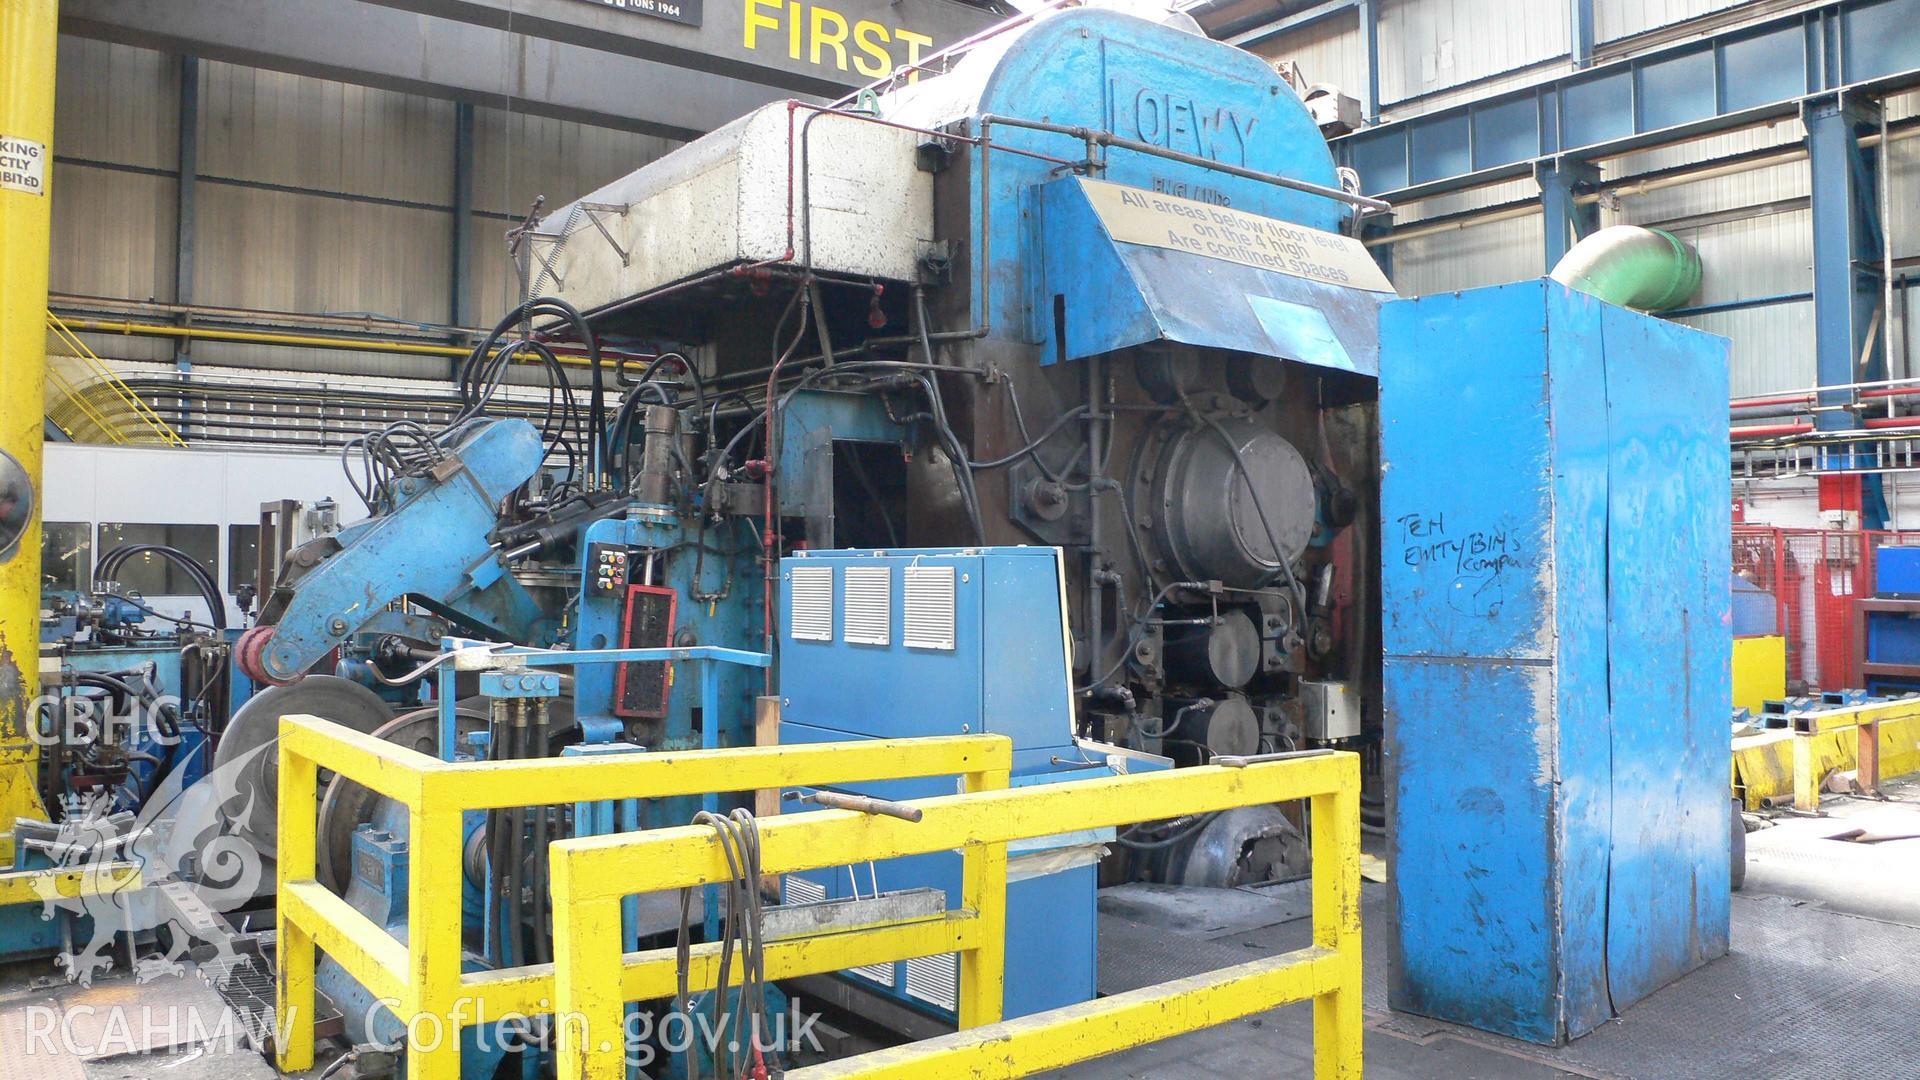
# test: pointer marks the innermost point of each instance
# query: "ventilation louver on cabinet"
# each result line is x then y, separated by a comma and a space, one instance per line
929, 614
935, 980
812, 616
868, 617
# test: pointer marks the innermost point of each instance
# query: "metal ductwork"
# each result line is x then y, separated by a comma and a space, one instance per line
1633, 266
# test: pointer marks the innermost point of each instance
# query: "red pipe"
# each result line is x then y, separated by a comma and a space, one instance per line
1761, 403
1809, 397
1767, 431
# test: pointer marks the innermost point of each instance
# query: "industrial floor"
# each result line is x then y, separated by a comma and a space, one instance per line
1823, 981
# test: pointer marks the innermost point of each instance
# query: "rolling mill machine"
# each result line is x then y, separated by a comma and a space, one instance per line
1030, 391
1034, 390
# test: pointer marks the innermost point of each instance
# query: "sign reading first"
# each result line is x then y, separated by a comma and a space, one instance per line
818, 34
680, 11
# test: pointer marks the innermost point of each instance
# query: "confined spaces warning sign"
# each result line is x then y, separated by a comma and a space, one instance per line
1133, 216
23, 165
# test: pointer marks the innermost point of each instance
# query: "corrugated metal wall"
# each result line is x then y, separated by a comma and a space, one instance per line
1430, 45
1753, 229
114, 188
314, 197
518, 158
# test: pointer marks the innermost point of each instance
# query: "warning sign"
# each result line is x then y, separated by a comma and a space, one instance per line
1133, 216
23, 165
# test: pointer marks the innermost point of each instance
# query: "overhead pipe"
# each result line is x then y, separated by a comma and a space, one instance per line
1632, 266
1773, 431
312, 341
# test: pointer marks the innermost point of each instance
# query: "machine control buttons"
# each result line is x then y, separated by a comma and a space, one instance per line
607, 569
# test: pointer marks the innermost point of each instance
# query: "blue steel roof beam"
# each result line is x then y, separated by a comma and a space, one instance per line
1731, 80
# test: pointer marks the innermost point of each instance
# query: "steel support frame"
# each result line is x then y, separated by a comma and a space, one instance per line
1567, 220
1580, 31
460, 303
186, 221
1742, 77
1847, 285
1370, 53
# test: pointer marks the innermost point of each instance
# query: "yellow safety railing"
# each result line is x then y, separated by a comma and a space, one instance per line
592, 875
422, 976
99, 405
1793, 761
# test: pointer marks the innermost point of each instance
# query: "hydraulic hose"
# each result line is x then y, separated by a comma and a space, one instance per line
110, 563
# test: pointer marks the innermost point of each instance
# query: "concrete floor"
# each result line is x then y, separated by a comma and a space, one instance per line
1823, 981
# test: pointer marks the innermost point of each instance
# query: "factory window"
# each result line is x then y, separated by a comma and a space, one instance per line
152, 575
66, 555
243, 556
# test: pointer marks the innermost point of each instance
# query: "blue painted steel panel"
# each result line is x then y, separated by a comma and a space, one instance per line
1558, 662
1107, 294
1669, 637
1150, 83
1897, 571
1893, 637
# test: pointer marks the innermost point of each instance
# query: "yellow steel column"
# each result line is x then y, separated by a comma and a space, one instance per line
28, 40
294, 1007
983, 890
1337, 1016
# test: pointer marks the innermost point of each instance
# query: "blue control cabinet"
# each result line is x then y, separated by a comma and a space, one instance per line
1556, 524
904, 644
1888, 629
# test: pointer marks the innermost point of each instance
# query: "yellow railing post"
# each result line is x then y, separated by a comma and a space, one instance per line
435, 1015
983, 891
588, 1005
1336, 926
1806, 772
294, 996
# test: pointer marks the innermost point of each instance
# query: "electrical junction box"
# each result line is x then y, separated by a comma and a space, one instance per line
1556, 541
1329, 710
905, 644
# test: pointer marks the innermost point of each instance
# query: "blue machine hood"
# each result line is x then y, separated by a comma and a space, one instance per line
1120, 266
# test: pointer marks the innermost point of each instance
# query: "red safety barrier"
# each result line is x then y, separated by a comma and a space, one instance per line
1816, 578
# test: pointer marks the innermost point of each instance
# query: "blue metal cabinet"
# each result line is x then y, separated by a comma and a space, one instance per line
1556, 516
904, 644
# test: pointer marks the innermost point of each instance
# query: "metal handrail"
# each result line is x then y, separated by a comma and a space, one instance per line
104, 375
591, 877
421, 979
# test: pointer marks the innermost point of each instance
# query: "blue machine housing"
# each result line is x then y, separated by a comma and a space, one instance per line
941, 641
1558, 655
1140, 80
